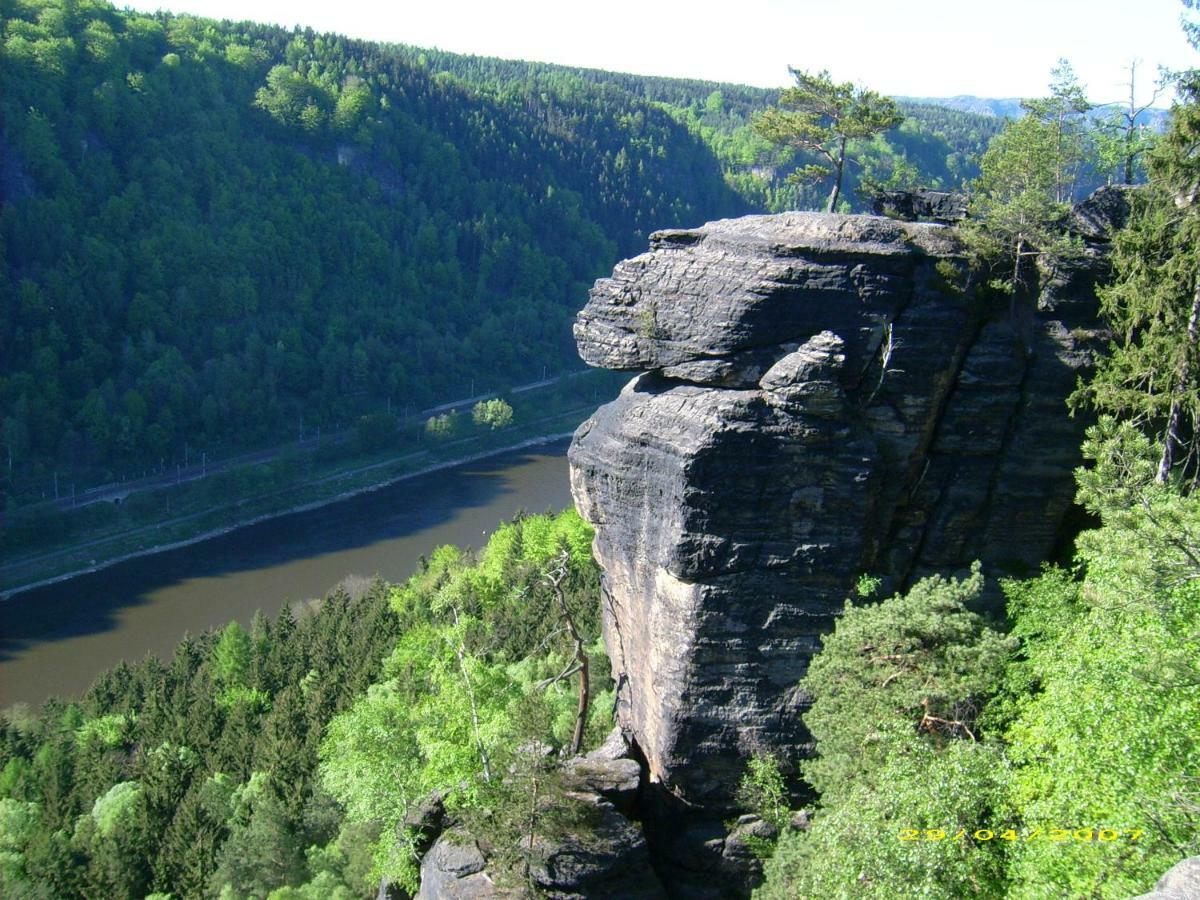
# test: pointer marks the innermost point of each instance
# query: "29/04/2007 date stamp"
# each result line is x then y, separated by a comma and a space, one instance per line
1054, 835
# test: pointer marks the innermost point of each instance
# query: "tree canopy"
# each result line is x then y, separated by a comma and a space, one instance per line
821, 116
1152, 374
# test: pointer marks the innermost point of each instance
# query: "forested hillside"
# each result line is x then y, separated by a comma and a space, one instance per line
935, 147
217, 234
212, 230
282, 759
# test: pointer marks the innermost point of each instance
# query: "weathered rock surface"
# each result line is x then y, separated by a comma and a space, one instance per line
940, 206
454, 870
826, 395
608, 859
604, 854
1181, 882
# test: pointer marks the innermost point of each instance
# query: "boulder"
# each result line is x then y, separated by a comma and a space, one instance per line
910, 206
1181, 882
453, 869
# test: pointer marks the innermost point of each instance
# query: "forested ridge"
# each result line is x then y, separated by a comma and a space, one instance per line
219, 234
211, 230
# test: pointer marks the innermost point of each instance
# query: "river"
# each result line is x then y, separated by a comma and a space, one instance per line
57, 639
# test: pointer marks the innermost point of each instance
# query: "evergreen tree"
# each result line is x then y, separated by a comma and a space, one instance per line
1152, 373
820, 117
1027, 180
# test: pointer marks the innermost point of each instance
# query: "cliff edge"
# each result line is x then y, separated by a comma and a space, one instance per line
819, 396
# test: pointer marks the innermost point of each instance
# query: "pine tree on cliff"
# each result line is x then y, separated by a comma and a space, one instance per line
1152, 375
1028, 178
818, 116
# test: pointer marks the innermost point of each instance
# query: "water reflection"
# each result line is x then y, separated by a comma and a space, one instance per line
55, 640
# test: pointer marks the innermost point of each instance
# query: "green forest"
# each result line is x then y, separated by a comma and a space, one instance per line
219, 236
282, 759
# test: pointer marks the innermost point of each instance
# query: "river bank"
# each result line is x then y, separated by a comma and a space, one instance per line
8, 593
64, 544
55, 639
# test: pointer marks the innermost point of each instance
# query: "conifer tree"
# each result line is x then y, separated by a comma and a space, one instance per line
821, 117
1152, 375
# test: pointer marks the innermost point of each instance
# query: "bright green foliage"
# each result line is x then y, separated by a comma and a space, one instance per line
1111, 735
442, 426
17, 824
764, 791
231, 656
291, 99
476, 665
820, 117
117, 807
113, 730
494, 413
862, 846
914, 668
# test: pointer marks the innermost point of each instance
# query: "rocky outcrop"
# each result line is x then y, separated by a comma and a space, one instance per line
603, 854
454, 870
911, 206
1181, 882
820, 396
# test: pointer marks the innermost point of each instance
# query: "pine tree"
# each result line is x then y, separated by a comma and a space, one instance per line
821, 117
1152, 375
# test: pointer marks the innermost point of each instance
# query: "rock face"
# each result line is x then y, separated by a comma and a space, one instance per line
1181, 882
940, 206
821, 396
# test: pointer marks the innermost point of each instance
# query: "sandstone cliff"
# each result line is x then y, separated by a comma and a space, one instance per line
820, 396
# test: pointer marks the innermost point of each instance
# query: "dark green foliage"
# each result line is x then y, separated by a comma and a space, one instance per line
913, 668
219, 234
1152, 374
898, 687
185, 777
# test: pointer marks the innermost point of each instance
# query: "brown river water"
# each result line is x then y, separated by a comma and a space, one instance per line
57, 639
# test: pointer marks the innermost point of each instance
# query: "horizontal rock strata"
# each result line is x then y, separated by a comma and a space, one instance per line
820, 396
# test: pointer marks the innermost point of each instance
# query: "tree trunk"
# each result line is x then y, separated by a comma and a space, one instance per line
839, 167
1129, 154
581, 657
1016, 276
462, 668
1171, 439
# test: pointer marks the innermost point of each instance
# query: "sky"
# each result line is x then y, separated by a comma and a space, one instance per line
898, 47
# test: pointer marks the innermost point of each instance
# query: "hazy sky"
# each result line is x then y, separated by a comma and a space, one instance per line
918, 48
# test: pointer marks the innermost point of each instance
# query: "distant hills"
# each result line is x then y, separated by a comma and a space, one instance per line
1010, 107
